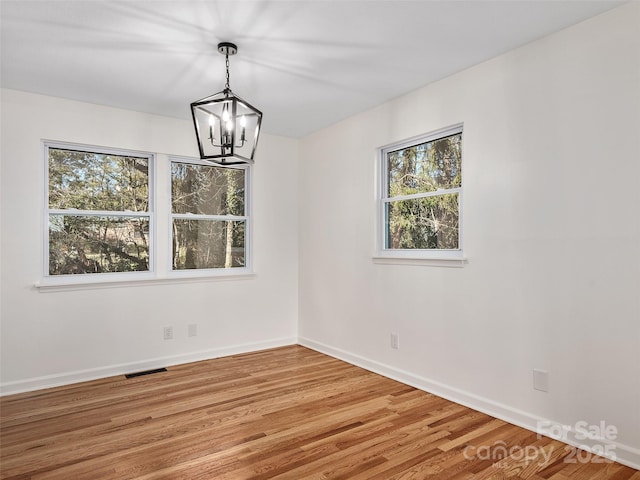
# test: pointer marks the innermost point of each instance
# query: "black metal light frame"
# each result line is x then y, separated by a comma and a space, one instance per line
227, 127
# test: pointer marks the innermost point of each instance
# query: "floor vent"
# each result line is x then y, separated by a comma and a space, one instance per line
146, 372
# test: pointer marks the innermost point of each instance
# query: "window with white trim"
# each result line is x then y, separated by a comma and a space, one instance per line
208, 216
99, 211
101, 224
420, 201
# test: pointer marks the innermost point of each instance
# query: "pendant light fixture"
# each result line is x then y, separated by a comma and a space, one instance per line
227, 127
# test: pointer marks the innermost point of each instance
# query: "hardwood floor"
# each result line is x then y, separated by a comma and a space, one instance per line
287, 413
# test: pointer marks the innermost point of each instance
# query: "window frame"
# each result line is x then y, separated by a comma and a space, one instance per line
247, 218
91, 278
435, 257
160, 229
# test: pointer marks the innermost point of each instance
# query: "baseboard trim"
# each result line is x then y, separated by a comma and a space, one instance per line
621, 453
58, 380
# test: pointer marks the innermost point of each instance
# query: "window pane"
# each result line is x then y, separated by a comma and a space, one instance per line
208, 244
423, 223
85, 244
96, 181
205, 190
425, 167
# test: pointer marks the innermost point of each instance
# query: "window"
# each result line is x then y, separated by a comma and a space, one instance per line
420, 196
98, 211
102, 224
208, 214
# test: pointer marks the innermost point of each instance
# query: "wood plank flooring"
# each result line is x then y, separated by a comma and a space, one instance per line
286, 413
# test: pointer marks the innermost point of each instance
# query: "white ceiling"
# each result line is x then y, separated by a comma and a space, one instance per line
305, 63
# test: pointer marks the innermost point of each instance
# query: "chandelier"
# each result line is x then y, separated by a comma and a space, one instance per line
227, 127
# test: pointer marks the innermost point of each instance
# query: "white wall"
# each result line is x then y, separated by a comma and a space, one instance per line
552, 234
551, 165
67, 336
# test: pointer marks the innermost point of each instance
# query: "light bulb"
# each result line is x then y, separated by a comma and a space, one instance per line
225, 114
243, 124
212, 130
229, 125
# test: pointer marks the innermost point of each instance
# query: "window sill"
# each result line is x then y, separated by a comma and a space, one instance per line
70, 283
450, 262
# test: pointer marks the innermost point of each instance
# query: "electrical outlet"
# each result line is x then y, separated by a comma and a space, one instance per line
193, 330
168, 333
540, 380
395, 341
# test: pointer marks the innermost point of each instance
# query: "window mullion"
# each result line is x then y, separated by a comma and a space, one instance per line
72, 212
413, 196
195, 216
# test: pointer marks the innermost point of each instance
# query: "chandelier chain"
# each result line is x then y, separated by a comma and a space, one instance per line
227, 87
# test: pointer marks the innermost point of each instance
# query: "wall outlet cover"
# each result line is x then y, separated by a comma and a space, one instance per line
540, 380
193, 330
168, 333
